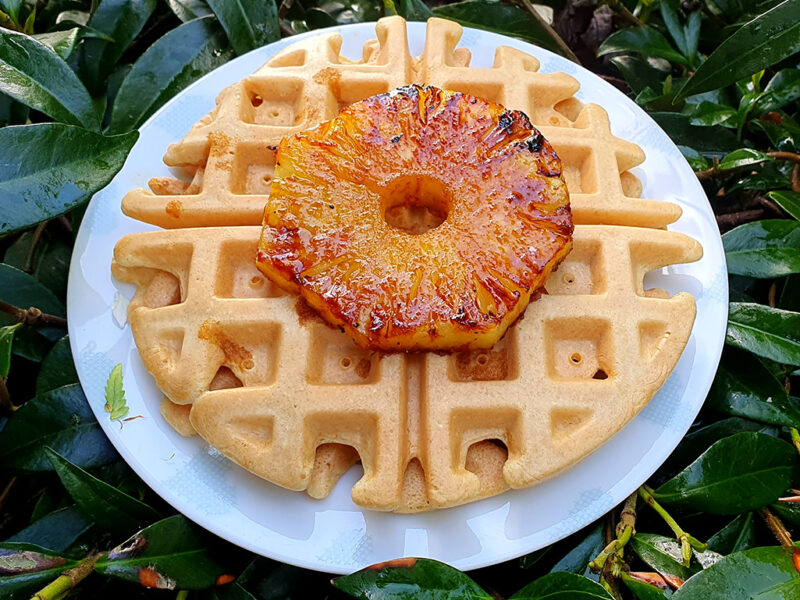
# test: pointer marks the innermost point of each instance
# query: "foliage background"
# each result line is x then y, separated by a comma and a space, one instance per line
722, 77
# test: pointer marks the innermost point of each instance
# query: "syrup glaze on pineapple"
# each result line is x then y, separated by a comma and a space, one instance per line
419, 219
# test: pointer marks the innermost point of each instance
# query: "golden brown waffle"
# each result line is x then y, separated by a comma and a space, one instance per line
231, 150
430, 430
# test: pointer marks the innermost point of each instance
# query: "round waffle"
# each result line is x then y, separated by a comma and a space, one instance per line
260, 378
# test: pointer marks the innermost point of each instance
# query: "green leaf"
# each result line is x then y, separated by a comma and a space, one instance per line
121, 21
643, 590
706, 114
11, 8
249, 23
743, 387
742, 472
714, 140
788, 201
57, 530
764, 41
49, 264
115, 394
767, 332
61, 42
742, 157
49, 169
186, 10
662, 554
763, 573
104, 504
410, 579
410, 10
33, 74
174, 61
739, 534
61, 419
696, 160
577, 560
789, 512
641, 40
491, 15
58, 368
171, 554
638, 73
763, 249
23, 569
782, 89
562, 586
23, 291
697, 442
6, 341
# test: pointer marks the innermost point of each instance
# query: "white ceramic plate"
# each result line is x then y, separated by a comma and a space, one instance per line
335, 535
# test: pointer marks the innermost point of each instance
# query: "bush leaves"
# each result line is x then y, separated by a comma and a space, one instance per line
760, 43
104, 504
562, 586
60, 418
33, 74
646, 41
173, 62
788, 201
249, 23
767, 332
49, 168
763, 249
739, 473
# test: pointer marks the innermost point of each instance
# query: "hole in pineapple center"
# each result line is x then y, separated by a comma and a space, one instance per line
415, 203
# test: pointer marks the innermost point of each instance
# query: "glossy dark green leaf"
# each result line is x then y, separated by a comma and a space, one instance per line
24, 569
173, 62
743, 387
186, 10
789, 512
766, 573
706, 114
33, 74
661, 553
6, 342
58, 368
409, 579
647, 41
714, 140
57, 530
742, 472
696, 160
767, 332
104, 504
763, 249
501, 18
266, 579
23, 291
738, 535
697, 442
637, 72
61, 42
410, 10
562, 586
759, 44
783, 88
741, 158
49, 264
121, 21
527, 561
61, 419
577, 560
643, 590
249, 23
788, 201
171, 553
49, 168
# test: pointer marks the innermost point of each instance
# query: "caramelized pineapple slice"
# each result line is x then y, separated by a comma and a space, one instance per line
419, 219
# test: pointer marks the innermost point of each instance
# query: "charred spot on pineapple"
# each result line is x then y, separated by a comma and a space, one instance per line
451, 211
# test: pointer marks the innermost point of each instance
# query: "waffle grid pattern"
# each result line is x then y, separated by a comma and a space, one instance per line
206, 322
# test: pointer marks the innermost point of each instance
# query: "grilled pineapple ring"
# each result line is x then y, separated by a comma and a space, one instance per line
419, 219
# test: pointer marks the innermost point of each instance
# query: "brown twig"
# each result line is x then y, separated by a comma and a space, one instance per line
284, 8
796, 178
777, 528
562, 45
32, 317
286, 31
734, 219
623, 12
715, 171
789, 156
6, 491
65, 223
37, 235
